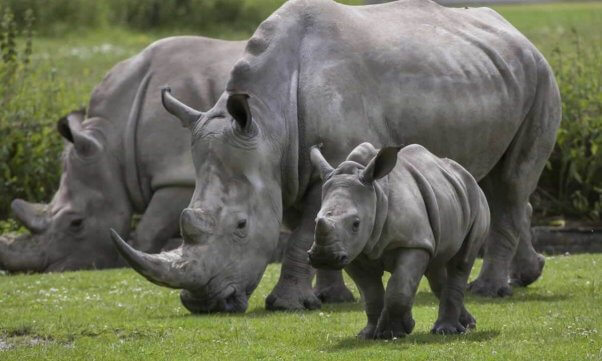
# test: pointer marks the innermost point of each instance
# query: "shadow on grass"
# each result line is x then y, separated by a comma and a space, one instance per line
426, 298
418, 338
423, 298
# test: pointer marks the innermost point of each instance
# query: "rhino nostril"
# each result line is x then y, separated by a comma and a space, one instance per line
343, 258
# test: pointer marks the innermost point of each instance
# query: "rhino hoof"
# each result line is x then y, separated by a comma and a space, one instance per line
489, 289
367, 333
292, 300
523, 274
467, 320
338, 294
447, 328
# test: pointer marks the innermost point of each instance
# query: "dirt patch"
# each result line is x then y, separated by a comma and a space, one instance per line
22, 337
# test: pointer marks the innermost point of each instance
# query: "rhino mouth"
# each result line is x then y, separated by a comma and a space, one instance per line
22, 253
229, 299
331, 259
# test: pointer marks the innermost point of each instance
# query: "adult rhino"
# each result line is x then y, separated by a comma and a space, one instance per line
123, 158
462, 82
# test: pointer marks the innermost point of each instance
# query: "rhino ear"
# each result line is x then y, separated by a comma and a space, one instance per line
381, 165
238, 107
321, 164
187, 115
63, 124
71, 129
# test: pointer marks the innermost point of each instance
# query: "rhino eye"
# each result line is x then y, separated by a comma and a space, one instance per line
76, 223
241, 224
356, 225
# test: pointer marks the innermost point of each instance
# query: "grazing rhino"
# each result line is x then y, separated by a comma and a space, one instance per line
462, 82
124, 158
407, 212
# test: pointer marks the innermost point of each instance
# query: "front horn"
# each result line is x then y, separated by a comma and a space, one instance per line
187, 115
168, 269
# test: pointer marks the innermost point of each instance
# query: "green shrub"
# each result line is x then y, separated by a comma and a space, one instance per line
571, 184
30, 99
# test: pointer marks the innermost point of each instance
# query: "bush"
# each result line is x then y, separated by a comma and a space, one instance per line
571, 184
29, 101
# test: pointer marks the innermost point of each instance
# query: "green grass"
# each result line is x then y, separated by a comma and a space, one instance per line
117, 315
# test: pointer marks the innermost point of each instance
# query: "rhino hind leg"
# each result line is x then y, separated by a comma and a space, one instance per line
437, 279
508, 188
330, 287
527, 264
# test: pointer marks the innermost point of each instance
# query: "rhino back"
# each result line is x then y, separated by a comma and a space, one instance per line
459, 81
196, 68
430, 195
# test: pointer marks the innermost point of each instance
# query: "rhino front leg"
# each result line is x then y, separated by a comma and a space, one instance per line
408, 267
369, 281
293, 290
330, 287
160, 221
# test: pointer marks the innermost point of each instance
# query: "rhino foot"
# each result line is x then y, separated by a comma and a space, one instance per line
444, 327
467, 320
334, 294
292, 299
367, 333
489, 288
526, 272
394, 328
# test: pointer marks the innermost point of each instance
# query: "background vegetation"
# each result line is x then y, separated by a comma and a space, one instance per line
75, 42
112, 315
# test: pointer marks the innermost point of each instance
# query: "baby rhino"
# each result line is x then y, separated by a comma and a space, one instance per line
407, 212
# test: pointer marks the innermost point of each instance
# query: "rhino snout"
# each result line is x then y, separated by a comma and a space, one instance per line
228, 300
320, 258
195, 222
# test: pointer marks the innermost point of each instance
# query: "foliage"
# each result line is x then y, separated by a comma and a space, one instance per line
571, 185
29, 150
119, 315
62, 16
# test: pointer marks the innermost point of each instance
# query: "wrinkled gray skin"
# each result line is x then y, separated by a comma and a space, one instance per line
409, 213
462, 82
123, 157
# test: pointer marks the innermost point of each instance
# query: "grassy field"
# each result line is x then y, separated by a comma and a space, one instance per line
119, 315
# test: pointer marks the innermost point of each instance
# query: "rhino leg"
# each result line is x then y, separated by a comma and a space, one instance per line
293, 290
437, 279
408, 267
160, 221
330, 287
527, 264
369, 281
510, 184
449, 285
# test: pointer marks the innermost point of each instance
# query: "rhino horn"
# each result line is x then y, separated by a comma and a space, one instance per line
166, 269
187, 115
31, 215
323, 229
21, 255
